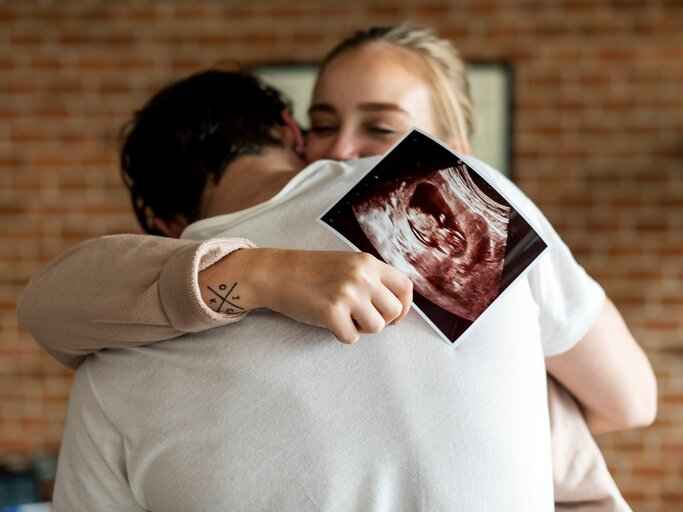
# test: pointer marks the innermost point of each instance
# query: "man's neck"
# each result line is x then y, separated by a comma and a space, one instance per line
250, 180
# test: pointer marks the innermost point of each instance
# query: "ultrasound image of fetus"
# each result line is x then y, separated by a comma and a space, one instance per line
444, 233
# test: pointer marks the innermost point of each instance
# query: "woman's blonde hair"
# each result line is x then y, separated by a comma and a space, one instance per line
446, 72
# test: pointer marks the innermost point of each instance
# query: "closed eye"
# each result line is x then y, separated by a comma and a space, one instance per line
322, 129
381, 131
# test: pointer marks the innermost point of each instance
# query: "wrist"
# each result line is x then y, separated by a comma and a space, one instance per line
260, 270
226, 286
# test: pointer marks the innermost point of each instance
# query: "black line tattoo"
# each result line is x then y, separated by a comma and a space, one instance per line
232, 308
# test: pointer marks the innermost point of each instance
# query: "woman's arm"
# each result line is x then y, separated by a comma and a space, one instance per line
130, 290
119, 291
609, 374
588, 347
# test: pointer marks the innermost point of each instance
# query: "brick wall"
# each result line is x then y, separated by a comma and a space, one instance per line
598, 142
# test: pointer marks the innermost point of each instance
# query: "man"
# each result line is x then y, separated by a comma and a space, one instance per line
271, 413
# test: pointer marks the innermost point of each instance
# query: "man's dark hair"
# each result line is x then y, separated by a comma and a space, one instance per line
188, 133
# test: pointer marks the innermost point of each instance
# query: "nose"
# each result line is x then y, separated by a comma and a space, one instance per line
344, 147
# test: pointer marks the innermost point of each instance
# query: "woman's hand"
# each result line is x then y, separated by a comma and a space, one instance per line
348, 293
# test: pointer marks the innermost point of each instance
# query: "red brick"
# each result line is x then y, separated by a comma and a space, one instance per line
666, 325
650, 472
195, 13
665, 53
383, 10
435, 10
7, 15
580, 6
672, 496
233, 13
119, 40
259, 39
485, 7
134, 13
632, 496
306, 38
653, 227
49, 16
94, 64
26, 39
218, 39
287, 11
673, 449
75, 38
47, 64
618, 54
95, 15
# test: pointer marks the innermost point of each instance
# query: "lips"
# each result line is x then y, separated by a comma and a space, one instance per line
439, 230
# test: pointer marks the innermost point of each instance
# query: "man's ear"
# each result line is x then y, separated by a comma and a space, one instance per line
292, 133
172, 229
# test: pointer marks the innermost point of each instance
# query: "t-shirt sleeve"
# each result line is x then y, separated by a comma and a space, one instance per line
121, 291
568, 299
91, 471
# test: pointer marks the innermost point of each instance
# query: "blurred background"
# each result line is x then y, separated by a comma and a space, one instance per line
596, 139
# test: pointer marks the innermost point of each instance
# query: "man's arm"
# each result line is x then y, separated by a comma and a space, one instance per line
609, 375
129, 290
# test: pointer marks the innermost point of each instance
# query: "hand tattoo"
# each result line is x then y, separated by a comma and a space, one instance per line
229, 299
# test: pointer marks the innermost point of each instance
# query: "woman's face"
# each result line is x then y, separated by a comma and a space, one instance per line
365, 100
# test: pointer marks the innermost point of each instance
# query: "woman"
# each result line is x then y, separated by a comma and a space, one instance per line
403, 77
421, 74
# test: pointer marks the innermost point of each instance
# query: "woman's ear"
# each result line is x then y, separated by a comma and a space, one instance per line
292, 133
171, 229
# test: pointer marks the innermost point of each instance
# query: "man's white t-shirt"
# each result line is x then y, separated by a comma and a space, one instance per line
270, 414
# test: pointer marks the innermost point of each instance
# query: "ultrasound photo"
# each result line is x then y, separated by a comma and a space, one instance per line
423, 210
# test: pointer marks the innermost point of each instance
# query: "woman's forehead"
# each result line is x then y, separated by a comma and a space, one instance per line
381, 68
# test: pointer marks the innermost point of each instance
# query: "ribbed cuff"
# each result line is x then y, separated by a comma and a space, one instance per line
179, 287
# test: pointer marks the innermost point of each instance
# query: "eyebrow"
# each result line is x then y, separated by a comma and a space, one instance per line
365, 107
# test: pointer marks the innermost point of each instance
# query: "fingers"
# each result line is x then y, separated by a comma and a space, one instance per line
347, 325
383, 297
348, 293
387, 304
368, 318
343, 327
364, 315
400, 288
